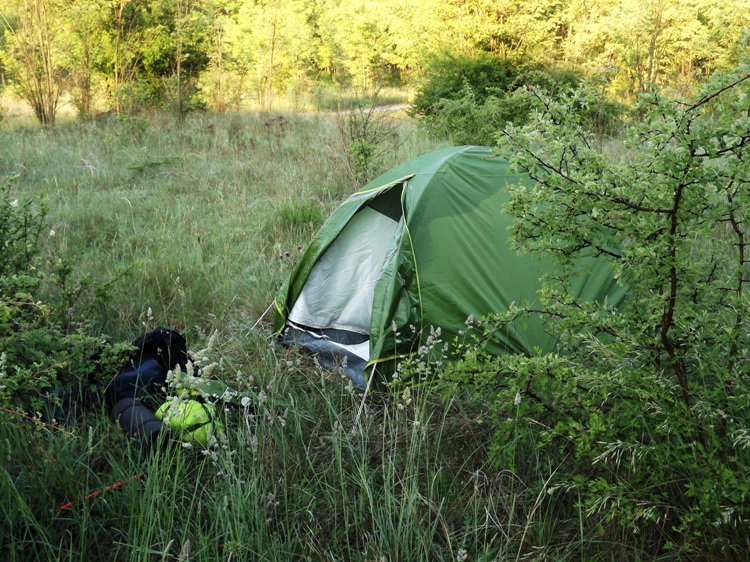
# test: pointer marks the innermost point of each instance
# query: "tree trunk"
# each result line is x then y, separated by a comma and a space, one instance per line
652, 48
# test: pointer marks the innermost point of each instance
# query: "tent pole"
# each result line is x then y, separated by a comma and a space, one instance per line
259, 319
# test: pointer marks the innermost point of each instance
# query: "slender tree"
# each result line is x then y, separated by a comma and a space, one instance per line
270, 44
215, 80
182, 12
33, 60
83, 38
130, 40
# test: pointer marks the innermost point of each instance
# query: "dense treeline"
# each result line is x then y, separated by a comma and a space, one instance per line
125, 54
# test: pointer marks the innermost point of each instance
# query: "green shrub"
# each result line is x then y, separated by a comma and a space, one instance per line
468, 99
367, 135
43, 347
469, 121
642, 416
447, 77
21, 223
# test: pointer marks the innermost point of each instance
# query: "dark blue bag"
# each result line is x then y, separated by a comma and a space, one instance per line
145, 372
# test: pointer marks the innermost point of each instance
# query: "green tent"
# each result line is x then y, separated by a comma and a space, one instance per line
423, 246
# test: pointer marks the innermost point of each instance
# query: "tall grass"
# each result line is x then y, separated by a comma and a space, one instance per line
299, 476
190, 220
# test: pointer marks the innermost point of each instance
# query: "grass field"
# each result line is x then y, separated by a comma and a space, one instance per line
194, 226
188, 227
195, 216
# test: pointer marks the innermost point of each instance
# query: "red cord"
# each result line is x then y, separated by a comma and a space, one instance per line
95, 493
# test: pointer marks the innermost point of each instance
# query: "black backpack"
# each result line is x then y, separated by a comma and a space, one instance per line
144, 373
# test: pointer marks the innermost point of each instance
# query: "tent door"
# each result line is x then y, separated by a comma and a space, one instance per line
332, 312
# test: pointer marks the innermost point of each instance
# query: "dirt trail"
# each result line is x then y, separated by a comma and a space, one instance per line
366, 109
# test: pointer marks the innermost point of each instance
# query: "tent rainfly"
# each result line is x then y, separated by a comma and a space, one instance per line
423, 246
